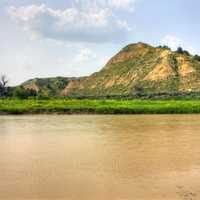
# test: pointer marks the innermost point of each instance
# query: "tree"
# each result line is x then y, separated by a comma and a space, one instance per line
138, 90
3, 85
21, 93
164, 47
3, 80
180, 50
197, 57
186, 53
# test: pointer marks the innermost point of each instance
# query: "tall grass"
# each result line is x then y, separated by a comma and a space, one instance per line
12, 106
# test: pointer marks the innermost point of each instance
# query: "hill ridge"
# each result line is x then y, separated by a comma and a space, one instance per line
138, 67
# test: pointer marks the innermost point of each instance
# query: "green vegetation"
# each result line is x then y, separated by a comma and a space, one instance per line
196, 57
48, 87
181, 51
71, 106
3, 86
164, 47
21, 93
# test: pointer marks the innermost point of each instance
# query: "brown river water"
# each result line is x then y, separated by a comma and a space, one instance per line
89, 157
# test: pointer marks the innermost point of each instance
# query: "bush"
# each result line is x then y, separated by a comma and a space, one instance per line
22, 93
138, 90
186, 53
181, 51
197, 57
3, 86
164, 47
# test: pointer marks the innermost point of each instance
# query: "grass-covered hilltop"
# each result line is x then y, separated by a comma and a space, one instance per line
162, 81
137, 68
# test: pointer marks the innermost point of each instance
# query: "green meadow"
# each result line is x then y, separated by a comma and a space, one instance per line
34, 106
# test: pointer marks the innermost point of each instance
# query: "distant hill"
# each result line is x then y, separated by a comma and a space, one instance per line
49, 87
136, 68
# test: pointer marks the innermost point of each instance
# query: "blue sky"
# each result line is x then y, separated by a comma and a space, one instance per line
42, 38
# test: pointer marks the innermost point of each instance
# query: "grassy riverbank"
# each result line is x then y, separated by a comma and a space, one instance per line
11, 106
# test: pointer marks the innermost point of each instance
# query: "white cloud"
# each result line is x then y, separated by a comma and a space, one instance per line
93, 21
171, 41
85, 55
125, 4
174, 42
114, 4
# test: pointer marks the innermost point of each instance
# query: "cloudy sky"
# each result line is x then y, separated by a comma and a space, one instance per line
42, 38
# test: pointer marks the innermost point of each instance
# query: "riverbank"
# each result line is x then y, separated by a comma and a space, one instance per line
13, 106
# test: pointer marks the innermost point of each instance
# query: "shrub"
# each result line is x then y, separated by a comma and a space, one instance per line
138, 90
164, 47
22, 93
3, 86
181, 51
197, 57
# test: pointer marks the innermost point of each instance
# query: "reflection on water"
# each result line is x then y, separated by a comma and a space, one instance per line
100, 157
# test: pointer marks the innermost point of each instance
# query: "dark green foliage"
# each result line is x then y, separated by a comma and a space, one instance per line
196, 57
22, 93
181, 51
186, 53
164, 47
3, 86
174, 64
138, 90
2, 92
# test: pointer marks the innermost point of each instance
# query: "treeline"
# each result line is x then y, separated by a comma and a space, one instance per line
14, 92
144, 96
22, 93
17, 92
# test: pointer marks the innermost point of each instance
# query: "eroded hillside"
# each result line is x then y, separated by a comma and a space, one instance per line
145, 68
136, 68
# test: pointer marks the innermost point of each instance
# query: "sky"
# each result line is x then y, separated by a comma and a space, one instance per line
48, 38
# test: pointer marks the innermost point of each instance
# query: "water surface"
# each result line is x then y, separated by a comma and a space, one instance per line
88, 157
